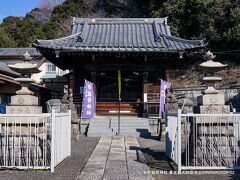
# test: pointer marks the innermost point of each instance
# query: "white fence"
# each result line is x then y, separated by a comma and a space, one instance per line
203, 141
34, 141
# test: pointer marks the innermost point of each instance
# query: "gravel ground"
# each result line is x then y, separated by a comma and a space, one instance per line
69, 169
153, 150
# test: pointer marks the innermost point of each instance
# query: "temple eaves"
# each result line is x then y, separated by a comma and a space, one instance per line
120, 35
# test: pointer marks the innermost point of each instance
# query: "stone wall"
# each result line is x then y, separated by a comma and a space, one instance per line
232, 96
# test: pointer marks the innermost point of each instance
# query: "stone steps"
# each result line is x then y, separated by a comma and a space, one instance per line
129, 126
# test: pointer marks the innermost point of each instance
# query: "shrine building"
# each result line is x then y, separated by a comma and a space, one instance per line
143, 49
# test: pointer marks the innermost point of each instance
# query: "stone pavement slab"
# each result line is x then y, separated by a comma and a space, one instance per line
95, 167
116, 157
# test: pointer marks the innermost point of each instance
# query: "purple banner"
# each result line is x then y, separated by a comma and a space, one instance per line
88, 108
164, 86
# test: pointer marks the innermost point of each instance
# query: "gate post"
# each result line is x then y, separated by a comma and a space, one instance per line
179, 138
53, 118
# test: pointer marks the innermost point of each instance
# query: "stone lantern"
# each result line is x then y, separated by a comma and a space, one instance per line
214, 135
24, 102
211, 100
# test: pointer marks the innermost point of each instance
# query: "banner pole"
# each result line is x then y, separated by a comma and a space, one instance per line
119, 99
82, 107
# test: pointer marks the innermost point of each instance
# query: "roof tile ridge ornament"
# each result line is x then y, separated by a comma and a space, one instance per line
166, 21
157, 37
146, 20
73, 20
209, 56
81, 35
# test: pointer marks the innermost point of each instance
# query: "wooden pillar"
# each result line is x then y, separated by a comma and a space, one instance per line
93, 77
166, 72
145, 91
74, 76
78, 84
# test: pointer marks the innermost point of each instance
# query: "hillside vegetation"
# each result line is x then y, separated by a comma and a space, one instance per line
216, 21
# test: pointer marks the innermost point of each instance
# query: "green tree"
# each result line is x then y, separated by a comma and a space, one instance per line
218, 21
6, 40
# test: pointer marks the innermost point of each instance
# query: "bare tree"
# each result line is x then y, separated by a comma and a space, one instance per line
63, 27
90, 3
49, 4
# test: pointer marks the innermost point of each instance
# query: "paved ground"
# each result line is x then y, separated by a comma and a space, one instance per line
116, 158
69, 169
153, 151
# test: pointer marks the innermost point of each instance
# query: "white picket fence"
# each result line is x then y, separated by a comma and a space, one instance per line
34, 141
203, 141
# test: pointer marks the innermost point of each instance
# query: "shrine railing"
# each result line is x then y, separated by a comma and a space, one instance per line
203, 141
34, 141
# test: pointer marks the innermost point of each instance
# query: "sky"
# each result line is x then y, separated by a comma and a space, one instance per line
16, 7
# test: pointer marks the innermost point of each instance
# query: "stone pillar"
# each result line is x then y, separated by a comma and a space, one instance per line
145, 89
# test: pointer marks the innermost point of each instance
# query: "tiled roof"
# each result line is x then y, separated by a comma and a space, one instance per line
6, 78
114, 34
10, 52
4, 69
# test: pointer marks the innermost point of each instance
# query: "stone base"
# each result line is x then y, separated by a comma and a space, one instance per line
23, 110
214, 109
215, 145
171, 107
26, 100
25, 151
25, 144
211, 99
75, 129
154, 126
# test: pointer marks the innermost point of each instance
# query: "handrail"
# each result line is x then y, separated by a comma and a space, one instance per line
209, 115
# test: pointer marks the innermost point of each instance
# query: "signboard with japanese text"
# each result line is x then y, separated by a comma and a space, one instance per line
164, 86
88, 108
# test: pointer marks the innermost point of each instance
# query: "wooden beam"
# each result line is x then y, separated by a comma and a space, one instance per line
8, 79
41, 62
